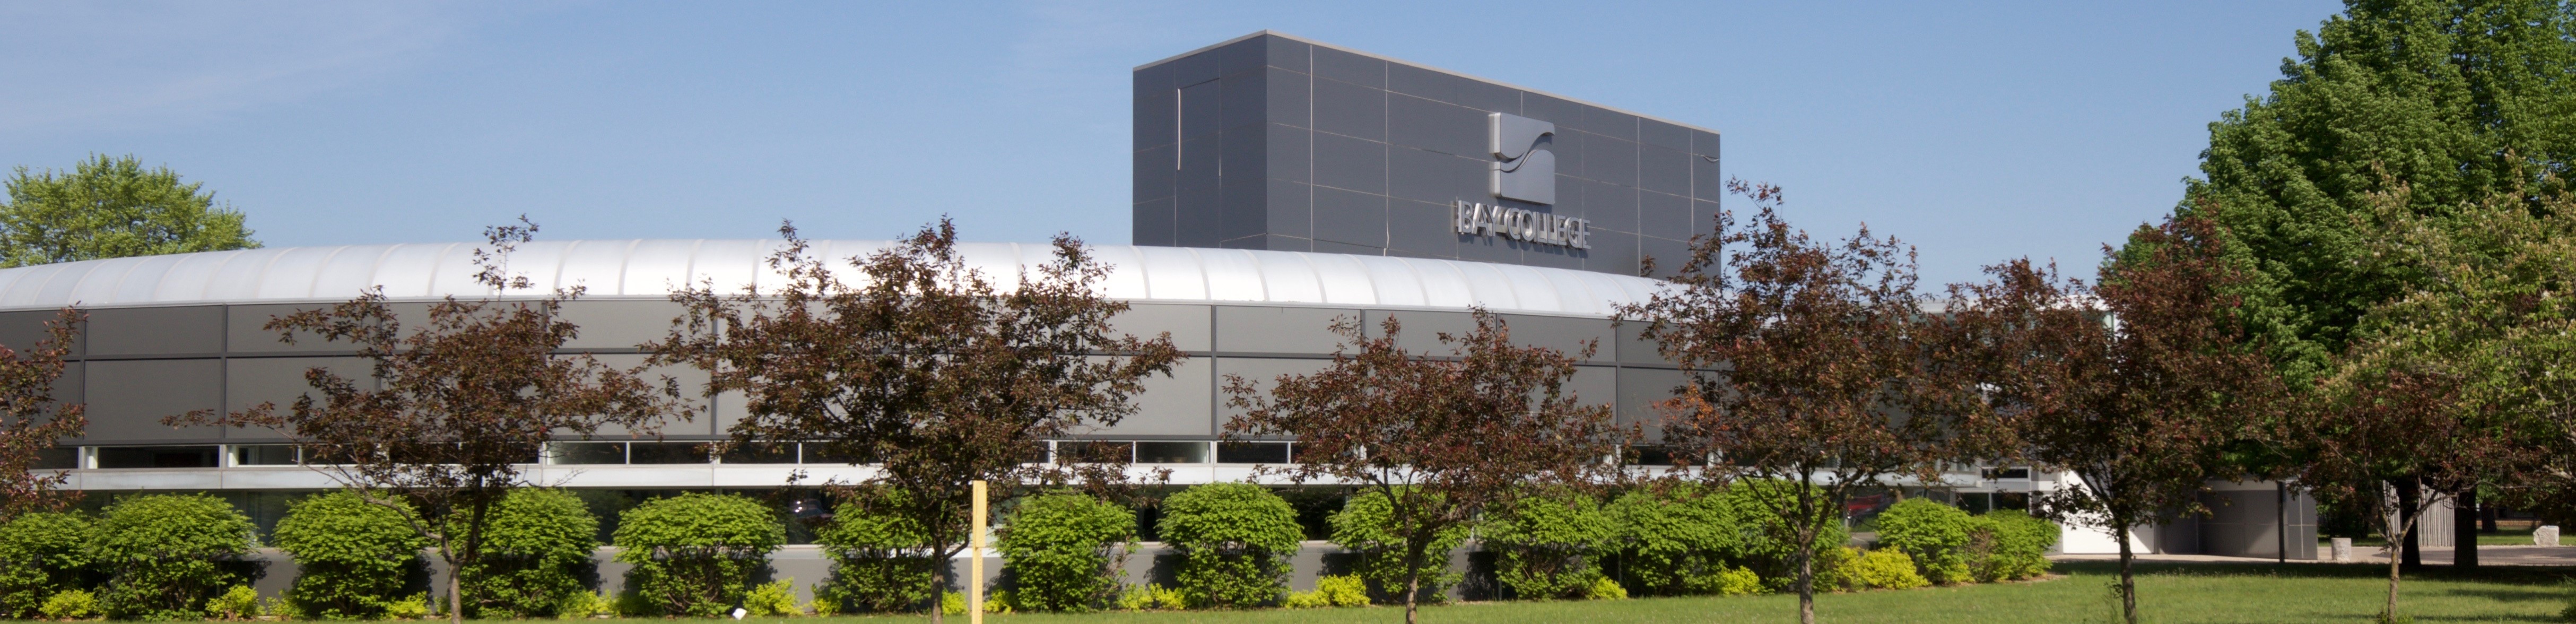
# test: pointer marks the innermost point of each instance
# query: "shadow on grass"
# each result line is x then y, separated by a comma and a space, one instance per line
2512, 575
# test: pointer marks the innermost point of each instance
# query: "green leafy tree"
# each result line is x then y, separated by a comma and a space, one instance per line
167, 554
1235, 540
112, 208
41, 554
694, 554
352, 558
1548, 546
1058, 549
537, 544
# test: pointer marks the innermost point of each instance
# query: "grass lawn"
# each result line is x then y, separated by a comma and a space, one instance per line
2168, 594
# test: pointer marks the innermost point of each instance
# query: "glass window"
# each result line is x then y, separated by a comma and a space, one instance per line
590, 452
2021, 472
823, 453
57, 458
1650, 456
761, 453
1252, 453
1171, 452
158, 456
1093, 452
264, 455
666, 453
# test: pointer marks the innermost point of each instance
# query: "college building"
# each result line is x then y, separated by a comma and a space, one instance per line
1279, 183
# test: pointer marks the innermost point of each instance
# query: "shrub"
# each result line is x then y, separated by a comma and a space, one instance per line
694, 554
1366, 525
582, 605
41, 555
166, 554
953, 603
537, 545
1834, 571
772, 599
1152, 597
1545, 545
2009, 545
1343, 590
1057, 549
413, 608
1235, 539
1933, 534
353, 556
881, 561
70, 604
1771, 557
1887, 569
1677, 539
1737, 582
239, 603
1603, 588
1305, 600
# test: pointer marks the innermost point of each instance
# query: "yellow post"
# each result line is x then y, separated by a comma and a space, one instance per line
975, 566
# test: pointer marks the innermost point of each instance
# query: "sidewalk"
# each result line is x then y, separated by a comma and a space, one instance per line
2362, 553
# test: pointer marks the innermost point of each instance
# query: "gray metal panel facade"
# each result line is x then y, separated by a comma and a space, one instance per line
1272, 142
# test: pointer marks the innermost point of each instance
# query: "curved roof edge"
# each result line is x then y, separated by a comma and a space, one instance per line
654, 268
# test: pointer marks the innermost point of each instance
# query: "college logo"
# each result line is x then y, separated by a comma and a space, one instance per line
1521, 224
1524, 169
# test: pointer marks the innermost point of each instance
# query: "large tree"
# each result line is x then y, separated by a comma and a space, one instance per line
111, 208
1441, 436
1810, 372
931, 371
453, 407
32, 421
2135, 386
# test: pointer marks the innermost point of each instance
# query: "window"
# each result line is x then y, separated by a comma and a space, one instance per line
1252, 452
666, 453
159, 456
589, 453
57, 458
1092, 452
761, 453
1171, 452
264, 455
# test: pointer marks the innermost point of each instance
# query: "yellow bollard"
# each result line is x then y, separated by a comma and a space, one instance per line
975, 566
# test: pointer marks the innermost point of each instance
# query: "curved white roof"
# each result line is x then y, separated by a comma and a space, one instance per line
653, 268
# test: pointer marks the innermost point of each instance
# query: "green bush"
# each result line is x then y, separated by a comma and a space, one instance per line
1152, 597
582, 605
71, 604
1343, 590
1737, 582
1835, 571
2009, 545
1546, 545
537, 545
774, 598
953, 603
1235, 539
239, 603
1770, 557
1057, 547
166, 554
1933, 534
1305, 600
1887, 569
881, 561
1366, 525
1677, 539
1603, 588
694, 554
353, 556
413, 608
41, 555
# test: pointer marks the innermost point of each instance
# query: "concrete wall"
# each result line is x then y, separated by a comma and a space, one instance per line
1274, 142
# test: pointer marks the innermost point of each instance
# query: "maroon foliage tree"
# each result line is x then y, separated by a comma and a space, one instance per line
933, 372
1441, 436
2135, 386
2394, 439
1809, 372
32, 422
454, 408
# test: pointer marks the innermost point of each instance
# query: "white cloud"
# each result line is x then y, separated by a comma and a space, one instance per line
91, 66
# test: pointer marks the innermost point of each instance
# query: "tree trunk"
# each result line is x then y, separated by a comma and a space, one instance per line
455, 589
1807, 585
2128, 587
2464, 528
947, 563
2389, 613
2410, 501
1413, 555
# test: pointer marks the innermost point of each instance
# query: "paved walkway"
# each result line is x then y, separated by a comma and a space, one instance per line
2364, 553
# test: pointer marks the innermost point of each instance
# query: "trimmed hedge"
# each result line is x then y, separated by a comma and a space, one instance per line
694, 554
41, 554
1366, 525
167, 554
1235, 539
1678, 540
536, 555
1933, 534
2010, 545
1546, 546
354, 557
881, 561
1056, 548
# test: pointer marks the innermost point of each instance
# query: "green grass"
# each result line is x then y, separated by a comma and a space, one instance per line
2168, 594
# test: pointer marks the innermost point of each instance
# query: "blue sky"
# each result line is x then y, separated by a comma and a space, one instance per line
1975, 131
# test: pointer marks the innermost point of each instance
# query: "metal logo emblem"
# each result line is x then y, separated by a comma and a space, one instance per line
1523, 167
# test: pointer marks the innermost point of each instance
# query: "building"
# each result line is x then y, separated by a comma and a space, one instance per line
1279, 184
